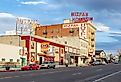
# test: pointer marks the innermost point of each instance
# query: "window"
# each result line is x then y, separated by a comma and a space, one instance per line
65, 42
52, 36
32, 45
45, 32
92, 45
3, 59
11, 60
71, 30
78, 29
92, 39
92, 33
18, 60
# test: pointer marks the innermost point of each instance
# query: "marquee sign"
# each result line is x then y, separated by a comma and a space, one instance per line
72, 25
80, 17
83, 31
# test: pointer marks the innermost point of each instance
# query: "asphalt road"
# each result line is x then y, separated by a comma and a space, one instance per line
102, 73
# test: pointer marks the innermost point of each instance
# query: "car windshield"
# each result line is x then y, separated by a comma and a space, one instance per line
45, 63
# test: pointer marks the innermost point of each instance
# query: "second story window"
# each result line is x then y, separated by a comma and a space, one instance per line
71, 30
92, 45
65, 42
92, 39
92, 33
45, 32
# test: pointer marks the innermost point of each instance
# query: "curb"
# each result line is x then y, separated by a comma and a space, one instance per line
8, 70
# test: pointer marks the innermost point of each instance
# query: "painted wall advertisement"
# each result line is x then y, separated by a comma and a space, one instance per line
81, 26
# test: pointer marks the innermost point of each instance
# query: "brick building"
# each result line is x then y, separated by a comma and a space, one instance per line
80, 35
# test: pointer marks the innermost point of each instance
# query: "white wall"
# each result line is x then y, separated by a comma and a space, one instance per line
9, 52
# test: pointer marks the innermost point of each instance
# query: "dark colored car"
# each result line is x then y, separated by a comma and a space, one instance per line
31, 67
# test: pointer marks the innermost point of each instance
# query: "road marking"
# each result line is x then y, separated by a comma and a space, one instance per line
76, 73
7, 77
16, 76
32, 81
107, 76
99, 69
87, 79
51, 72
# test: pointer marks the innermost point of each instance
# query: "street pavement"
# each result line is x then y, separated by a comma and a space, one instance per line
101, 73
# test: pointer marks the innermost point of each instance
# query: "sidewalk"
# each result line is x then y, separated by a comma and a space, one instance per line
11, 69
59, 66
18, 69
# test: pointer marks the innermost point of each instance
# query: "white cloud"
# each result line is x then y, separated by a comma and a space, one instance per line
102, 27
7, 22
116, 33
3, 15
34, 2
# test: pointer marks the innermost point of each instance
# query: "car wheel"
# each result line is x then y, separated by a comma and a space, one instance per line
37, 68
30, 68
48, 67
54, 67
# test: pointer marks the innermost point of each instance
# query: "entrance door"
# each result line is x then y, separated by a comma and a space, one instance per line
23, 61
40, 60
76, 59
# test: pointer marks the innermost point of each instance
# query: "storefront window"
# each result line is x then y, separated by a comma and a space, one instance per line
11, 60
3, 59
18, 60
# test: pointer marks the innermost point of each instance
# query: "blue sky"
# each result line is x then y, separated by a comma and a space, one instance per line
106, 14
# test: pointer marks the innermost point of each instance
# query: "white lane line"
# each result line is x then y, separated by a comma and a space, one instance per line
87, 79
99, 69
9, 77
32, 81
51, 72
76, 73
107, 76
16, 76
91, 78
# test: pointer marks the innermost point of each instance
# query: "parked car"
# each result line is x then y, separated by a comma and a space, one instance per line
115, 62
31, 67
48, 65
96, 63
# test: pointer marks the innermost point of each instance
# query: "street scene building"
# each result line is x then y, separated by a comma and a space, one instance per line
40, 49
72, 43
80, 35
100, 55
13, 56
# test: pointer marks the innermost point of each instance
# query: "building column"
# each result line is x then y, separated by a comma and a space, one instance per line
79, 61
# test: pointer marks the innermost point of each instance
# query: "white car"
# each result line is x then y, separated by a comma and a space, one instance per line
48, 65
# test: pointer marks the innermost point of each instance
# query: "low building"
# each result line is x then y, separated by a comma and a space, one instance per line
13, 56
41, 49
100, 55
